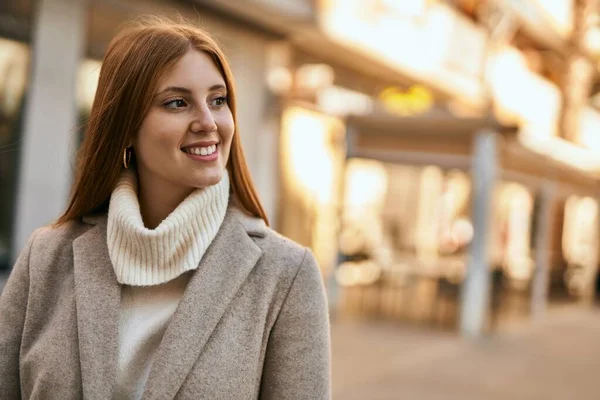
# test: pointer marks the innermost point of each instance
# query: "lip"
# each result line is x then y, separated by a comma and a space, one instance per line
203, 143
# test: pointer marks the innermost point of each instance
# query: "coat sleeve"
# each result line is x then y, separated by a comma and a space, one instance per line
298, 356
13, 305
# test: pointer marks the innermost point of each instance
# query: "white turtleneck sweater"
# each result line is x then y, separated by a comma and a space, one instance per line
153, 266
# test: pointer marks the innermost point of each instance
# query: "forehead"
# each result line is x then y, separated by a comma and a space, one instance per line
196, 70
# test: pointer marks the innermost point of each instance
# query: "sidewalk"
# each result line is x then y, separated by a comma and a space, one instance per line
557, 358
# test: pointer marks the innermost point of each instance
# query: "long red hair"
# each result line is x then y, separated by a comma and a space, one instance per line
135, 60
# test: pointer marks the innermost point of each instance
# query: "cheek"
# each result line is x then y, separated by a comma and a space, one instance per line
226, 131
226, 127
157, 133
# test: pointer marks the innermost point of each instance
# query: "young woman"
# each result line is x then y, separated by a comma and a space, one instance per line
162, 280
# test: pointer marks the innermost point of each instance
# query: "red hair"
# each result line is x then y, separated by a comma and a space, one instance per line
134, 62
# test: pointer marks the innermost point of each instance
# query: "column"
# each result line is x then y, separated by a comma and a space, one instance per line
543, 250
476, 287
50, 118
257, 127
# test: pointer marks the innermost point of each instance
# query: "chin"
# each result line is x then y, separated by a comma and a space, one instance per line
207, 178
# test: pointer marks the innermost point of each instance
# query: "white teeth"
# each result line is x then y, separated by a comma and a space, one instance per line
202, 151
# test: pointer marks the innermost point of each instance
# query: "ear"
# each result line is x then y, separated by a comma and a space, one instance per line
130, 141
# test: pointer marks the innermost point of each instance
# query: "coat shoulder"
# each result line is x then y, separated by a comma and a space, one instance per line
53, 235
50, 240
282, 256
282, 246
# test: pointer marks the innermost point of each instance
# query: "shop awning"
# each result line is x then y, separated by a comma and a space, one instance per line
446, 141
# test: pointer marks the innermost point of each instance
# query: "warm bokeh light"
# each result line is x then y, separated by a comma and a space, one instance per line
358, 273
417, 99
339, 101
314, 76
517, 204
89, 73
580, 242
14, 59
366, 185
557, 13
312, 155
365, 191
309, 162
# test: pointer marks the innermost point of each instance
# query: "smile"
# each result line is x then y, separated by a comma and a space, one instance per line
201, 151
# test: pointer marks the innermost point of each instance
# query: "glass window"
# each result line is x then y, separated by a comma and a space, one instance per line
14, 59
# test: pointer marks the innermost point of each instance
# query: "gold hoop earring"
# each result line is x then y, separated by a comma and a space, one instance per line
126, 158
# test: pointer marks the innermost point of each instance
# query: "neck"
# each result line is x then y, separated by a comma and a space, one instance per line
158, 199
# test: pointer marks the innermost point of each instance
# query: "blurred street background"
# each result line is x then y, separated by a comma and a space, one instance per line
440, 157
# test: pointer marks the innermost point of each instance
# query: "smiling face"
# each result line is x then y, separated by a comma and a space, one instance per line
185, 138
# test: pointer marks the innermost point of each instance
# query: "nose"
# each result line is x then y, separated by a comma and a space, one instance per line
203, 122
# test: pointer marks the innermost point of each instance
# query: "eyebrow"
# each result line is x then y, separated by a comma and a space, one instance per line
179, 89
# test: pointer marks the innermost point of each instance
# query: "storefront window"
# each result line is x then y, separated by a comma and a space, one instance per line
404, 236
312, 156
14, 59
513, 233
580, 245
404, 243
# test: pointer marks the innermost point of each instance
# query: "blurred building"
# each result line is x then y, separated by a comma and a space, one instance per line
439, 157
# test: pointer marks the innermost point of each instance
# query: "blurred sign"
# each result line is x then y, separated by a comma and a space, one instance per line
416, 100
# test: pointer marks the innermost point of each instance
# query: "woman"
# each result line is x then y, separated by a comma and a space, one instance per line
162, 280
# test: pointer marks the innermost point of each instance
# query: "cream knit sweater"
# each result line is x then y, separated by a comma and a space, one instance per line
153, 267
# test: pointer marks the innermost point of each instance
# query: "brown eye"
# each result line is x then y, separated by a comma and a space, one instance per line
175, 104
219, 101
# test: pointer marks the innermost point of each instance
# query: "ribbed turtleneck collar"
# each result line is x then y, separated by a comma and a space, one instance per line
143, 257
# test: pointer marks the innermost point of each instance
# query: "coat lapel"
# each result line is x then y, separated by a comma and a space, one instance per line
222, 271
98, 295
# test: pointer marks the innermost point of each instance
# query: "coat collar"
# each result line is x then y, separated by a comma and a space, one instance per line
97, 297
220, 274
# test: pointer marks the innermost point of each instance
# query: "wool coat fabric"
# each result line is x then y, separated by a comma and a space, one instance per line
252, 323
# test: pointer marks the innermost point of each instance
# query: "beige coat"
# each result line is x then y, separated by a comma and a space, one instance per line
252, 323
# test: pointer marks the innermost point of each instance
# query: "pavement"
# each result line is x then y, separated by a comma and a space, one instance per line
555, 358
